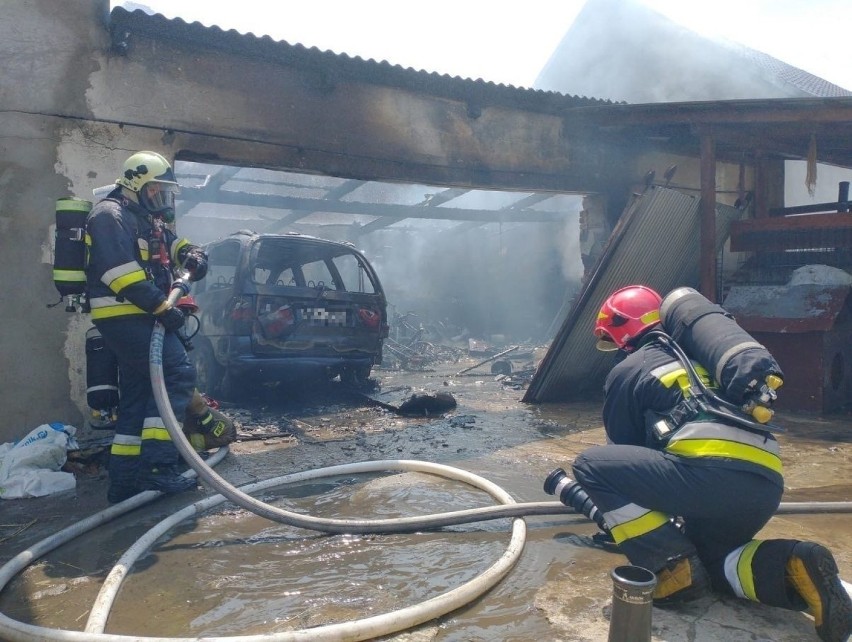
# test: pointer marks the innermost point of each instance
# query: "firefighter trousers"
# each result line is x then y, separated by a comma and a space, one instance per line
141, 438
721, 507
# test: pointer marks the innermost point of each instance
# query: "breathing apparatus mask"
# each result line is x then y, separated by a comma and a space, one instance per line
159, 199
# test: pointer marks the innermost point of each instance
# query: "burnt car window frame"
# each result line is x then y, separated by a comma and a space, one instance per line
221, 255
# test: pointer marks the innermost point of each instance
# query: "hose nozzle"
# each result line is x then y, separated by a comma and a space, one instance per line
180, 288
572, 495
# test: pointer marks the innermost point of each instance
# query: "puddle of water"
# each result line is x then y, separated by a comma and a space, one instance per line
233, 573
236, 573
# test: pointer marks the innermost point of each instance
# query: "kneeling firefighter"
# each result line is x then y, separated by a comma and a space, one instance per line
690, 476
131, 256
205, 426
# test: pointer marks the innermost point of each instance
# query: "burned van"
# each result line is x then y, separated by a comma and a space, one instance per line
284, 307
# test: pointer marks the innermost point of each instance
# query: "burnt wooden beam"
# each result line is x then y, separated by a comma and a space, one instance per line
798, 111
398, 212
839, 206
433, 200
444, 196
707, 259
792, 233
532, 199
334, 194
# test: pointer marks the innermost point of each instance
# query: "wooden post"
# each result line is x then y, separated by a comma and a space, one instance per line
761, 183
708, 217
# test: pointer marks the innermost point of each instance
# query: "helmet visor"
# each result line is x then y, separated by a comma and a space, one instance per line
158, 197
605, 343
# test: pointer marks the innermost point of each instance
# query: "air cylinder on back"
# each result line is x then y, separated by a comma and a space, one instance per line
741, 366
69, 260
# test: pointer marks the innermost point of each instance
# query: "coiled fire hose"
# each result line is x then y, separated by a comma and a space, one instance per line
361, 629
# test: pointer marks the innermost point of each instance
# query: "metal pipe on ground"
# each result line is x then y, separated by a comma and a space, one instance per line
632, 604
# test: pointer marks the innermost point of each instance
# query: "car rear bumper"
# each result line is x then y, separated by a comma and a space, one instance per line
284, 368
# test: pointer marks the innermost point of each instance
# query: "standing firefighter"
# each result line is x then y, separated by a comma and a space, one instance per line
131, 257
688, 478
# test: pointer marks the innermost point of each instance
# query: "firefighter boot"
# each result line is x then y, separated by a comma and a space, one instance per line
122, 471
682, 579
812, 572
164, 478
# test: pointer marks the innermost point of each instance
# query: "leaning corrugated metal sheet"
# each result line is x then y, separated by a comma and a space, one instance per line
656, 243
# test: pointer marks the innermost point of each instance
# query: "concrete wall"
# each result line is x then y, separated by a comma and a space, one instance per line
47, 63
72, 109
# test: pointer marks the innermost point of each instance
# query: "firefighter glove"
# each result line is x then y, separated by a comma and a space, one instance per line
196, 264
171, 318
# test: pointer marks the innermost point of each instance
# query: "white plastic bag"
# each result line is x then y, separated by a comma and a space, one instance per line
31, 467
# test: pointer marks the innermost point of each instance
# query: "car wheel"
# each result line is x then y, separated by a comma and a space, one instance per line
209, 373
356, 376
233, 389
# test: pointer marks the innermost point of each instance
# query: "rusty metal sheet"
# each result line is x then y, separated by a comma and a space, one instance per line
786, 308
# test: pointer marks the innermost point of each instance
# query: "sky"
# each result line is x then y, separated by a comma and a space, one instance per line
510, 42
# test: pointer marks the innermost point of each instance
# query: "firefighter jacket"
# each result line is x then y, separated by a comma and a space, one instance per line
125, 275
651, 381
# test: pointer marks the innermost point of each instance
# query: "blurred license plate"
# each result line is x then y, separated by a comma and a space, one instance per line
323, 316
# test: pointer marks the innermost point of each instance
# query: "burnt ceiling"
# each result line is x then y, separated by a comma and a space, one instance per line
216, 197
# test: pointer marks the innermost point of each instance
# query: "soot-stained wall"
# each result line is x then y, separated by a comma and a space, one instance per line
74, 106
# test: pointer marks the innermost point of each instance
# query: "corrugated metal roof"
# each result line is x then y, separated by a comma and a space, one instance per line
656, 243
124, 24
802, 80
780, 125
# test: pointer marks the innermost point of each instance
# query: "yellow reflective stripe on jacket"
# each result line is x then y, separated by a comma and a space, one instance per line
108, 307
144, 253
121, 276
674, 373
177, 246
709, 439
632, 521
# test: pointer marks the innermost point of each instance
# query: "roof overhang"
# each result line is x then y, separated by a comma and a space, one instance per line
741, 129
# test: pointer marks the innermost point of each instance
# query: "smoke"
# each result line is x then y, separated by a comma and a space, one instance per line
569, 250
621, 50
494, 281
500, 282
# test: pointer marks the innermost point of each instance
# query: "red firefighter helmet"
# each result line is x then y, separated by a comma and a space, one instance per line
625, 315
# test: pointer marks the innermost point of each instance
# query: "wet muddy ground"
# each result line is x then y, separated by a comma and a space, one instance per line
230, 573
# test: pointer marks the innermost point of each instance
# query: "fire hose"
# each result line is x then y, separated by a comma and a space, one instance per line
365, 628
